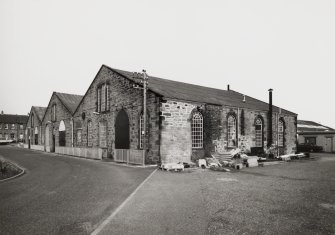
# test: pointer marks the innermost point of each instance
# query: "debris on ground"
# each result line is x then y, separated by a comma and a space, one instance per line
172, 166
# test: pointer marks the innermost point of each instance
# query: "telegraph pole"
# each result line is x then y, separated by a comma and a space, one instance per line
145, 83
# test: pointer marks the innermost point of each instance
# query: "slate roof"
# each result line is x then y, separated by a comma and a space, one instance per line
310, 126
40, 111
70, 101
190, 92
13, 118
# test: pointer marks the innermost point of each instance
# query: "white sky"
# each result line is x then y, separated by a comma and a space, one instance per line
287, 45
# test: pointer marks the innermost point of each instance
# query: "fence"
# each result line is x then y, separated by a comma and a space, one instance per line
132, 156
93, 153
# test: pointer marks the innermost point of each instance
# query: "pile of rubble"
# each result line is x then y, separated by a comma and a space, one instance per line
233, 159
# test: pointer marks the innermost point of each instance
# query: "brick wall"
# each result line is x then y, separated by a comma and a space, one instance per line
122, 96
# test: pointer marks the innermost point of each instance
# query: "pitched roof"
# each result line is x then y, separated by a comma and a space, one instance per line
70, 101
13, 118
40, 111
190, 92
310, 126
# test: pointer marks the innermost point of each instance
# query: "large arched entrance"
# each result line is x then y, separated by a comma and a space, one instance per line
122, 130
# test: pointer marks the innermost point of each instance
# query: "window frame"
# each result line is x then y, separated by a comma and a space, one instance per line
259, 133
103, 97
197, 130
229, 138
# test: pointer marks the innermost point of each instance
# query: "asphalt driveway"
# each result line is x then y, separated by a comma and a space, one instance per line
62, 195
291, 198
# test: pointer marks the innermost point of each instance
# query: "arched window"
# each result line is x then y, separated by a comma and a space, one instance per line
231, 131
89, 134
197, 131
259, 132
281, 133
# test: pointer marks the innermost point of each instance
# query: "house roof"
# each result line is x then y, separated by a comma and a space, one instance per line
70, 101
310, 126
40, 111
190, 92
13, 118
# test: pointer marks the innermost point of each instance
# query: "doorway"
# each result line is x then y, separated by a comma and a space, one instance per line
329, 145
122, 130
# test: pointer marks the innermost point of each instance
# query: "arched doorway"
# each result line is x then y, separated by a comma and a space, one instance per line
61, 130
122, 130
36, 135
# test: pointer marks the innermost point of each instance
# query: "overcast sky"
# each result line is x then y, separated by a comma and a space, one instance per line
289, 46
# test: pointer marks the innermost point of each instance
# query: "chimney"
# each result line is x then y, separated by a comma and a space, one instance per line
1, 111
228, 87
270, 141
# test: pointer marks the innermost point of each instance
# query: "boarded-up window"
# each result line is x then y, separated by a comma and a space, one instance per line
231, 131
103, 134
259, 132
89, 134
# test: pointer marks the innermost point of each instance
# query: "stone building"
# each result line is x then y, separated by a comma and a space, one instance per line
185, 121
34, 128
57, 129
313, 133
12, 127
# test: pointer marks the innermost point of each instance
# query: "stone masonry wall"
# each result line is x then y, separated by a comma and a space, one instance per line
122, 96
37, 124
61, 114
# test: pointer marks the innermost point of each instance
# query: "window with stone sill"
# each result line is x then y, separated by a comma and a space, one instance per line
103, 98
21, 127
231, 131
6, 126
197, 131
13, 127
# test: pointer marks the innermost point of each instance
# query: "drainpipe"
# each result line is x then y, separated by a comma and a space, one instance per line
270, 141
72, 132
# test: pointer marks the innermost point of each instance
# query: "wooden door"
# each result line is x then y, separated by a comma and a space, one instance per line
329, 147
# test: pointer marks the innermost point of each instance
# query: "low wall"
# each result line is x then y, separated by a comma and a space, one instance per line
93, 153
37, 147
47, 149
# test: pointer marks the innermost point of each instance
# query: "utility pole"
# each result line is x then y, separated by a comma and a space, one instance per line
145, 83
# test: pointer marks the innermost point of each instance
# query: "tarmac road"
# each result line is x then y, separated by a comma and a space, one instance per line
62, 195
291, 198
